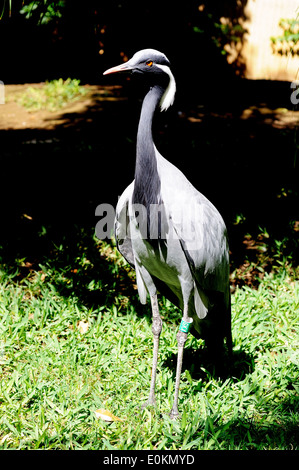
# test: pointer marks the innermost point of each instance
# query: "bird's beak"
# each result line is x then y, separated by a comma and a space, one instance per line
119, 68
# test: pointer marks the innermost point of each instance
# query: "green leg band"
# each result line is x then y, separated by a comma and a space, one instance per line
185, 326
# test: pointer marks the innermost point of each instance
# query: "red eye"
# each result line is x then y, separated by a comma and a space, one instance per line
149, 63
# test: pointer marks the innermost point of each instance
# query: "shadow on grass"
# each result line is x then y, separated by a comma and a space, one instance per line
275, 426
257, 433
201, 367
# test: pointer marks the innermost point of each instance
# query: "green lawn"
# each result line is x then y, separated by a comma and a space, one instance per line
56, 372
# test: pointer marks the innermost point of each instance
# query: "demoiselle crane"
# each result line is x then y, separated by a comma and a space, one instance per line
170, 233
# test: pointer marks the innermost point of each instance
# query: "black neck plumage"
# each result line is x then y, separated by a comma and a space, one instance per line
147, 181
147, 196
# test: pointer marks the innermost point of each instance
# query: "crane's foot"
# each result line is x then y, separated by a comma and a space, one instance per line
149, 402
174, 414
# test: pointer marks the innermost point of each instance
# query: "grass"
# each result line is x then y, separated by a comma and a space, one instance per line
74, 339
52, 96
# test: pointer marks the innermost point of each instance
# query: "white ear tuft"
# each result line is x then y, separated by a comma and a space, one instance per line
168, 97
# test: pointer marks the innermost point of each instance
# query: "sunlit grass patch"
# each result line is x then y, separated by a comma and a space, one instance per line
52, 95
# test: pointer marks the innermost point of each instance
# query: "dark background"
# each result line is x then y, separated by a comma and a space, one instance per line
242, 166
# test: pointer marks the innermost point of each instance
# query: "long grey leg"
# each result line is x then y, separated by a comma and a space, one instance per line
181, 338
156, 329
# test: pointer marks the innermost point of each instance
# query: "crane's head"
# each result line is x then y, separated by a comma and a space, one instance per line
156, 67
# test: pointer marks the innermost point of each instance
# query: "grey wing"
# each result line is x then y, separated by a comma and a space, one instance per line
123, 237
121, 225
199, 227
203, 238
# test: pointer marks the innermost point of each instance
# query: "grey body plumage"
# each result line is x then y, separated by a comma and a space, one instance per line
170, 233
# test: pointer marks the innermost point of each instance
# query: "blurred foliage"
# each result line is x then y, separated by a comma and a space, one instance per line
6, 6
43, 11
223, 30
288, 42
